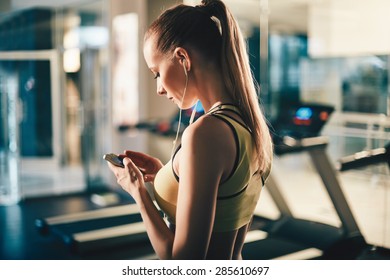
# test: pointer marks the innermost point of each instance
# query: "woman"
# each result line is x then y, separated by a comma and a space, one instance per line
210, 187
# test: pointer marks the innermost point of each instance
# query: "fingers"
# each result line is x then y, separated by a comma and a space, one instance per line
135, 173
136, 155
149, 177
133, 176
138, 158
145, 163
112, 167
119, 171
148, 166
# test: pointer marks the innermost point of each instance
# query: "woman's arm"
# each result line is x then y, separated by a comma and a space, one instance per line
204, 161
131, 180
160, 236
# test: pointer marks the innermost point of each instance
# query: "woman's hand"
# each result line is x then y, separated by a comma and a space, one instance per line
148, 165
130, 178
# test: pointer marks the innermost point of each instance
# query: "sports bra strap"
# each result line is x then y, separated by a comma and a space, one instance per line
224, 107
220, 109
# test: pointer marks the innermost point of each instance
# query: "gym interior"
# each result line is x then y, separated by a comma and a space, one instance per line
74, 86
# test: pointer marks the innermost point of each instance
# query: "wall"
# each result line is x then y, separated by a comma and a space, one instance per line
348, 28
5, 5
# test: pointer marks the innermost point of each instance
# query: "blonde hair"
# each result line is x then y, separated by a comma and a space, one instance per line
211, 29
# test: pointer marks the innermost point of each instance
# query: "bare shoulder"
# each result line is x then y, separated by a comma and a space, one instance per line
209, 147
209, 132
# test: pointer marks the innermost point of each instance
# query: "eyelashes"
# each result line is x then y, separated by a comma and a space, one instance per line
157, 75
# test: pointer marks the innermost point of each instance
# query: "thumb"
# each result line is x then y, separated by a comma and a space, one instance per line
129, 164
126, 161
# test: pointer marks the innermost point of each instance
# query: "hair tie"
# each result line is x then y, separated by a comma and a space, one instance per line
217, 23
205, 8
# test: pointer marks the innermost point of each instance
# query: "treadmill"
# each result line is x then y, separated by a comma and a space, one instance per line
298, 131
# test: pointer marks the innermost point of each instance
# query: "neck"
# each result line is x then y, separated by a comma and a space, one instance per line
212, 90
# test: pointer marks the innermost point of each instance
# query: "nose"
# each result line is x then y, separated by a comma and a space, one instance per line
160, 89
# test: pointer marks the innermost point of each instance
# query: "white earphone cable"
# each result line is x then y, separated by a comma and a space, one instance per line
180, 113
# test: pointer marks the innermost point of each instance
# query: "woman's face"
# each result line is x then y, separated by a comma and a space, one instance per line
169, 74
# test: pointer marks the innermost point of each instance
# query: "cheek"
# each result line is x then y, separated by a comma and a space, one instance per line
173, 81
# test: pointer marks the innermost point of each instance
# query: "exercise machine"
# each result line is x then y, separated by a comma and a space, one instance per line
288, 235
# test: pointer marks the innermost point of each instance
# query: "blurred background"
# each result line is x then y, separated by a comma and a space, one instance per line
74, 86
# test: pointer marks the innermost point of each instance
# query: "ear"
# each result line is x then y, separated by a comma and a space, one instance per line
183, 57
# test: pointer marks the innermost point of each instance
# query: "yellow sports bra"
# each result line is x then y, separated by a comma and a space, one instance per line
237, 195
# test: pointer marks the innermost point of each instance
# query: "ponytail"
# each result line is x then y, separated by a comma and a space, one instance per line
239, 81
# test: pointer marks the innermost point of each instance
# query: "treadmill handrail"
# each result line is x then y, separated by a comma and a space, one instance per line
364, 159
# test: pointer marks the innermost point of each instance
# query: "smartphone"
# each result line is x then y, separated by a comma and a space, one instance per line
114, 159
